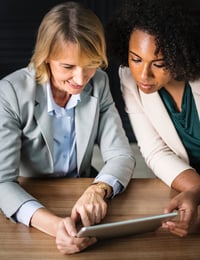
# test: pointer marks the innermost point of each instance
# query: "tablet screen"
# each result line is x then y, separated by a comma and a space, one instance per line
126, 227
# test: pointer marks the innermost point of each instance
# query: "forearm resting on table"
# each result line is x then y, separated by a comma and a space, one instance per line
188, 180
45, 221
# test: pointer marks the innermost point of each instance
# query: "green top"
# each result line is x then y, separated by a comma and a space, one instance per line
186, 122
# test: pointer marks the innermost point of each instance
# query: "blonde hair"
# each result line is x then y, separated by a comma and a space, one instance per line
69, 22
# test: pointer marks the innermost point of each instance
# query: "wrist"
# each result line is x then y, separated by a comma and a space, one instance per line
103, 188
196, 191
45, 221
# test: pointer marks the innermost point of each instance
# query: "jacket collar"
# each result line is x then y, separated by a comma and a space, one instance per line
84, 125
158, 115
42, 117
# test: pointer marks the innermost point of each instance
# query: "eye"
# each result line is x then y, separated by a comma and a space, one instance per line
159, 65
135, 59
68, 67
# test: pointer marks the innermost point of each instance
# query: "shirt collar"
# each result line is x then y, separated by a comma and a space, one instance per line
53, 108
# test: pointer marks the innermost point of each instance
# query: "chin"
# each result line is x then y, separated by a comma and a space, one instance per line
147, 90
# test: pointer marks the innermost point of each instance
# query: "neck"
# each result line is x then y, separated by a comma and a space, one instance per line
61, 98
176, 90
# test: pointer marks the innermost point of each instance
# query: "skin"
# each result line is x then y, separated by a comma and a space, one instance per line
150, 74
148, 69
69, 77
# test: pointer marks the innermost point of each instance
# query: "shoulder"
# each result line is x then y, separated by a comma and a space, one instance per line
19, 85
126, 80
20, 76
100, 76
98, 83
125, 74
195, 86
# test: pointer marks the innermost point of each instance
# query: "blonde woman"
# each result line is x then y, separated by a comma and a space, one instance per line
52, 113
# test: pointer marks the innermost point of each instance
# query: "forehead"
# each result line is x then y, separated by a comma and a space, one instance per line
63, 50
143, 44
69, 52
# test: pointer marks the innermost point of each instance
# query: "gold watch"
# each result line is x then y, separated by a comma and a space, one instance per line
104, 187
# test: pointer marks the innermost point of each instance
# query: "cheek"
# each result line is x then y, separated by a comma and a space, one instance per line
164, 77
135, 72
90, 73
62, 74
53, 70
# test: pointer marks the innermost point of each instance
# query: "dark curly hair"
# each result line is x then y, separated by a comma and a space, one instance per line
174, 25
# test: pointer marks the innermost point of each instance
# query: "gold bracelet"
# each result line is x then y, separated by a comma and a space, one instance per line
104, 187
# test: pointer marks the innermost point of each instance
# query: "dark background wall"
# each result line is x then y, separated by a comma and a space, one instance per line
19, 21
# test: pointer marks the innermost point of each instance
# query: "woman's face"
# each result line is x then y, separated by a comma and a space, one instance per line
147, 69
67, 75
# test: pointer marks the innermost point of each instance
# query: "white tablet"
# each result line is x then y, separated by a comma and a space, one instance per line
126, 227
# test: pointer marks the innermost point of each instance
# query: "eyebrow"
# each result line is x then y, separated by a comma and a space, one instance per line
66, 64
132, 52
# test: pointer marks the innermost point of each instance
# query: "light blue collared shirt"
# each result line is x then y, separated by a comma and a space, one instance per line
65, 163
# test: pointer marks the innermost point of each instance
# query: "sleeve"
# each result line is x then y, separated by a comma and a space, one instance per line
111, 138
12, 196
26, 211
111, 181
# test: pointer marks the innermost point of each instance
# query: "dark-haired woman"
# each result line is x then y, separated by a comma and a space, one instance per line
157, 44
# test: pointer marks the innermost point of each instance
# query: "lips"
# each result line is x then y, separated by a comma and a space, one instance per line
75, 86
145, 85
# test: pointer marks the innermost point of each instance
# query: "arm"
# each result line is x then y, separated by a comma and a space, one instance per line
12, 139
187, 201
111, 138
115, 149
187, 181
64, 229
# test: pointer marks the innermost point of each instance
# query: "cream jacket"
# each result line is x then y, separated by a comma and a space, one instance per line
156, 135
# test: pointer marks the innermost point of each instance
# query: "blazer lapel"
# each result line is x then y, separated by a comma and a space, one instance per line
43, 119
84, 121
159, 117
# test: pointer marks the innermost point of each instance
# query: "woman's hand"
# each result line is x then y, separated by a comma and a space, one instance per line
64, 229
187, 204
66, 238
91, 207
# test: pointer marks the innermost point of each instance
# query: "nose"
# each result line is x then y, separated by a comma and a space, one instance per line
146, 72
79, 76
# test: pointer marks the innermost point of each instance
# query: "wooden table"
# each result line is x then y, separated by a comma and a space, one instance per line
143, 197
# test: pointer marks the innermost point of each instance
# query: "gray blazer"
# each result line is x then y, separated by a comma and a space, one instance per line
26, 138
